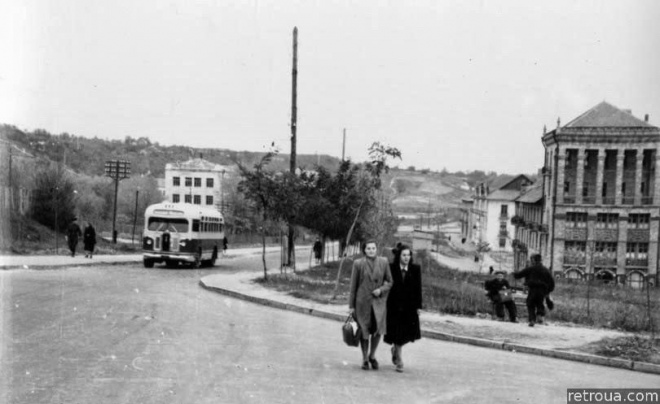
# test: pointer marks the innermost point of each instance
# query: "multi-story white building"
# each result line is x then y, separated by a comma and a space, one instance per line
195, 181
492, 208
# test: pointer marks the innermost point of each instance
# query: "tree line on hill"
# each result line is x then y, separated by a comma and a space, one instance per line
65, 174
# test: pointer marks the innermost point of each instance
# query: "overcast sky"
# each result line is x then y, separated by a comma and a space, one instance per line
456, 84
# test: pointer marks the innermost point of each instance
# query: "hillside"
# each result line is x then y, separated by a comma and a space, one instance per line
412, 192
88, 155
417, 192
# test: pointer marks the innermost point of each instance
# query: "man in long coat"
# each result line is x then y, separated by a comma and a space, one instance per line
73, 233
370, 281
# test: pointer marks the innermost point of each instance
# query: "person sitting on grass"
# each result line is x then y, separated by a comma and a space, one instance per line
494, 287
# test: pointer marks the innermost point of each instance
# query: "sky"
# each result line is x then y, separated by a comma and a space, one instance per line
461, 85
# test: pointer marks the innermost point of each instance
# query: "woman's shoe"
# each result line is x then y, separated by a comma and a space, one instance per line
399, 367
374, 363
365, 365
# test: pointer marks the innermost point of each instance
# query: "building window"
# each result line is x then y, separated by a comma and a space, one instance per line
567, 187
198, 182
607, 221
638, 221
197, 199
576, 219
504, 210
502, 242
209, 200
585, 189
209, 183
604, 193
188, 182
636, 253
571, 159
606, 250
175, 198
176, 181
575, 252
187, 198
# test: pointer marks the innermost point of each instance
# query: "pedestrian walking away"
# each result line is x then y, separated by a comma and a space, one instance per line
540, 283
404, 303
225, 242
72, 234
497, 289
89, 240
318, 249
371, 281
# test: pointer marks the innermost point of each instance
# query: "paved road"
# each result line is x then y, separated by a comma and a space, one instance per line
126, 334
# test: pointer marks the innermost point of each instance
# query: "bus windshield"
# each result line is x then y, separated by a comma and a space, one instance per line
171, 225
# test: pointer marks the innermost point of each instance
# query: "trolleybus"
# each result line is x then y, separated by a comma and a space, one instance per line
181, 233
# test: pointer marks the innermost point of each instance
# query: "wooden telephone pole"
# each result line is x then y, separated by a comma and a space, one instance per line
294, 116
343, 146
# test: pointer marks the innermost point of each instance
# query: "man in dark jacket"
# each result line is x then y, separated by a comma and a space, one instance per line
494, 286
540, 283
73, 232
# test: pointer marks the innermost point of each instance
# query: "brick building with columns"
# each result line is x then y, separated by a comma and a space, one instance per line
602, 193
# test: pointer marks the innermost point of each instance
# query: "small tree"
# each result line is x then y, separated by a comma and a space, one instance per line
275, 196
379, 155
53, 204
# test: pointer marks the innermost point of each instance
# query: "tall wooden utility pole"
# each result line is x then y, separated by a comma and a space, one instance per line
294, 116
343, 146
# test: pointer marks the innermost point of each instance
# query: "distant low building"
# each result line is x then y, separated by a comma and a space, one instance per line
422, 240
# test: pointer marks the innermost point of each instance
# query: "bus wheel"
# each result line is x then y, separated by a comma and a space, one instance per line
148, 263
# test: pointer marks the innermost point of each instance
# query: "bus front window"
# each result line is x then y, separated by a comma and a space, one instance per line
169, 225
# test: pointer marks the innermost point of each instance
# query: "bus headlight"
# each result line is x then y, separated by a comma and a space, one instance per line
182, 243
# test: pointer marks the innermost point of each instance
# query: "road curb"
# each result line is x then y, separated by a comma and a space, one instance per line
60, 266
486, 343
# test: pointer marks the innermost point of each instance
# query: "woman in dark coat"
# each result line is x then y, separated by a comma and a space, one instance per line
89, 240
370, 282
403, 304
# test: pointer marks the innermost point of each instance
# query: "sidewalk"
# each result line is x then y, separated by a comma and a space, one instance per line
553, 340
56, 261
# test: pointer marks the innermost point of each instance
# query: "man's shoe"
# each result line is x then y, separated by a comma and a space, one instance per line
365, 365
399, 367
531, 324
539, 320
374, 363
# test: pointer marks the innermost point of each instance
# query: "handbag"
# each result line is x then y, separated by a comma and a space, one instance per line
505, 296
351, 332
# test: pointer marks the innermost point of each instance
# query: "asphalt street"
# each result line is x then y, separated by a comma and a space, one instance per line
126, 334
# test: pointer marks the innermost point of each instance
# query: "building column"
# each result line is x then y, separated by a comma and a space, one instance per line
590, 246
654, 231
600, 174
638, 177
579, 177
656, 186
621, 247
561, 163
620, 154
